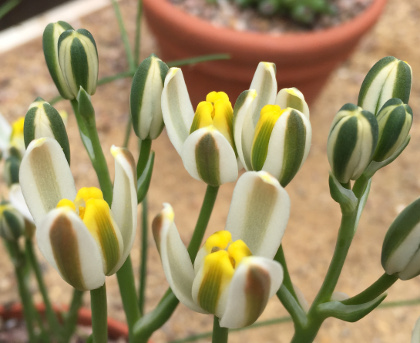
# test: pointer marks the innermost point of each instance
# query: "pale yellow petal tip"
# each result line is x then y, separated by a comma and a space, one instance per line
37, 103
115, 151
252, 93
172, 72
39, 142
268, 65
267, 178
168, 212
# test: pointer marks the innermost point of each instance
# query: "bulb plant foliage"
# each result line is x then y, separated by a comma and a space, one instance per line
87, 234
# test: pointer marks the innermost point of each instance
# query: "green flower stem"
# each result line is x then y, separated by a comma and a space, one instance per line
90, 139
138, 32
128, 294
203, 220
71, 316
124, 36
25, 296
373, 291
287, 281
143, 256
99, 315
52, 319
292, 306
220, 335
118, 76
149, 323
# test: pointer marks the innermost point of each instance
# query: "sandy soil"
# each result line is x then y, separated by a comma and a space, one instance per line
310, 237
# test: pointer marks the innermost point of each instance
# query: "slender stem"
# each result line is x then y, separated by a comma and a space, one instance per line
70, 321
203, 220
198, 59
373, 291
220, 335
118, 76
145, 148
90, 139
138, 32
127, 133
143, 256
155, 319
52, 319
99, 315
287, 281
124, 36
292, 306
127, 287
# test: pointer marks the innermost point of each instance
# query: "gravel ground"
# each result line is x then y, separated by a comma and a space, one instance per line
310, 237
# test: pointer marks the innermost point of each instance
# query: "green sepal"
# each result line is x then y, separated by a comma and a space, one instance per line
394, 121
12, 223
150, 96
344, 196
349, 313
11, 170
143, 182
50, 46
388, 78
43, 114
86, 110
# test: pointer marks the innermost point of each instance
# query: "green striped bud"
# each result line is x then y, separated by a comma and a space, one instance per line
12, 223
351, 142
43, 120
394, 122
11, 170
389, 78
401, 247
78, 58
281, 142
145, 98
50, 46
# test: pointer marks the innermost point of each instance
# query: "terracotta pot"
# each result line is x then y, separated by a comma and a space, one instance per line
116, 329
303, 60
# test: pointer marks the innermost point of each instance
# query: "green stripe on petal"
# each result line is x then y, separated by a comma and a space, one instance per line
177, 110
45, 177
68, 246
259, 213
208, 156
255, 281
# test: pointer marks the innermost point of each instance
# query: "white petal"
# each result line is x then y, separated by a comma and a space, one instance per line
415, 338
124, 203
45, 177
243, 127
208, 156
5, 132
176, 261
265, 83
68, 246
255, 281
292, 97
18, 201
178, 113
258, 213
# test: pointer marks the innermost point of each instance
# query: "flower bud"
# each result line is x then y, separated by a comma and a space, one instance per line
12, 223
388, 78
50, 46
351, 142
43, 120
394, 123
78, 58
145, 98
11, 169
400, 250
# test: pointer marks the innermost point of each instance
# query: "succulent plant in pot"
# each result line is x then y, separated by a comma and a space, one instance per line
304, 59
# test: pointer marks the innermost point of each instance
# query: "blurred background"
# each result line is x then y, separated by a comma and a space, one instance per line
310, 237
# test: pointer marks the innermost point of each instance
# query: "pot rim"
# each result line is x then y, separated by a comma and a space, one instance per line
301, 42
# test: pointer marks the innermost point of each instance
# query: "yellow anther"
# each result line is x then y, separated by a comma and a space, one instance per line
17, 126
66, 203
86, 193
237, 251
220, 240
213, 97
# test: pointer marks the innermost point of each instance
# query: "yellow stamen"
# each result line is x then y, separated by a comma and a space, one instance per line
66, 203
219, 240
237, 251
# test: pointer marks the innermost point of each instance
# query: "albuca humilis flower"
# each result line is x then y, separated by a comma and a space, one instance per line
234, 274
351, 142
400, 250
77, 232
12, 223
204, 140
388, 78
272, 131
11, 137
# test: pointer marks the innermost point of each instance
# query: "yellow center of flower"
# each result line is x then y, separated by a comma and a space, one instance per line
16, 138
215, 111
95, 213
224, 257
268, 118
